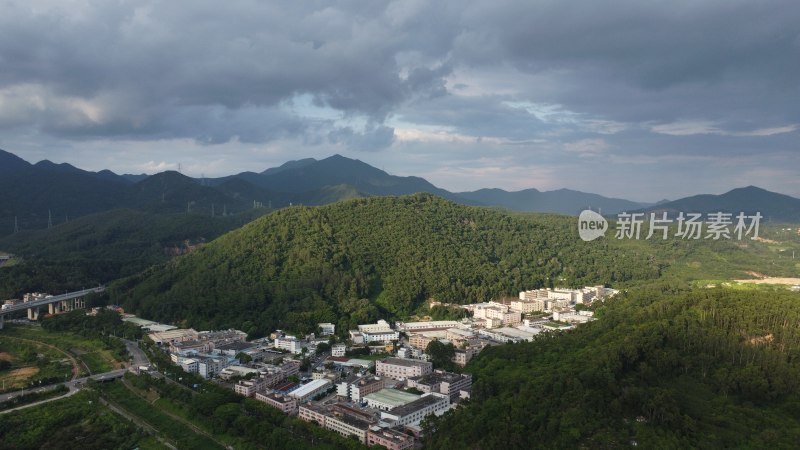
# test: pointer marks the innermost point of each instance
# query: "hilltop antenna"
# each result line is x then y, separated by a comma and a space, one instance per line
16, 225
224, 209
212, 210
188, 207
179, 168
49, 219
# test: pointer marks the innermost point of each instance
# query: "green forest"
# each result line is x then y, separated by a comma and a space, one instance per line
664, 367
359, 260
100, 248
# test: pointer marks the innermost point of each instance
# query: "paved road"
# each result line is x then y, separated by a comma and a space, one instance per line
138, 358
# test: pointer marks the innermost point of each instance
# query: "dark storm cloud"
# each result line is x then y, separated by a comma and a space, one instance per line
618, 82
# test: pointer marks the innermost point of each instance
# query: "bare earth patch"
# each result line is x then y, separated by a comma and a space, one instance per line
5, 356
771, 280
19, 377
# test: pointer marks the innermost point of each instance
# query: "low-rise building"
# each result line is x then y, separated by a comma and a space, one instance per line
326, 329
409, 327
386, 399
379, 327
290, 344
311, 412
285, 403
390, 439
380, 336
249, 388
209, 367
338, 350
189, 365
420, 341
414, 412
169, 336
355, 388
447, 383
310, 390
401, 369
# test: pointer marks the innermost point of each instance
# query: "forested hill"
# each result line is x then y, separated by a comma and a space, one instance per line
709, 368
362, 259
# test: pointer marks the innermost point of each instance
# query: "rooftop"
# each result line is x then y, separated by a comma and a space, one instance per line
403, 362
416, 405
392, 397
310, 387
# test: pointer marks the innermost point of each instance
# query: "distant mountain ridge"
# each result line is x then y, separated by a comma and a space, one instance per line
748, 200
562, 201
37, 194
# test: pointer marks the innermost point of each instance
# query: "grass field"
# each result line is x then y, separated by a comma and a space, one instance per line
93, 354
26, 363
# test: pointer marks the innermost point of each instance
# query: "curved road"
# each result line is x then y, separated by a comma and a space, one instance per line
138, 358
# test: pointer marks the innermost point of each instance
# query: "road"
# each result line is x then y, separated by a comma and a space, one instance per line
138, 358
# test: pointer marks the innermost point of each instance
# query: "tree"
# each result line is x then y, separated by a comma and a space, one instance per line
244, 358
441, 354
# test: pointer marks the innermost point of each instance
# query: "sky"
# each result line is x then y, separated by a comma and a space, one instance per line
632, 99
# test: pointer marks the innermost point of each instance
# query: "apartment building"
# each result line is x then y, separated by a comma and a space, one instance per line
284, 403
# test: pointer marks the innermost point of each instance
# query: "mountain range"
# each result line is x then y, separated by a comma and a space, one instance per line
34, 195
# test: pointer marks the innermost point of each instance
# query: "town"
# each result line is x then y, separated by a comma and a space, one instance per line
383, 379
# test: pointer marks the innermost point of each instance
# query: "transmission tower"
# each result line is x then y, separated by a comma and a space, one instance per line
16, 225
49, 219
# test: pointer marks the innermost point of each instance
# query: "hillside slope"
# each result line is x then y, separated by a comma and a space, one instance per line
661, 368
348, 261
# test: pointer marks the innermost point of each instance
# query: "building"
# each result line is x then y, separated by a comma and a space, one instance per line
355, 388
169, 336
527, 306
533, 294
210, 367
420, 341
446, 383
290, 344
391, 439
573, 317
223, 336
431, 325
189, 365
463, 356
348, 425
357, 337
236, 371
386, 399
379, 327
414, 412
310, 390
455, 335
338, 350
311, 412
248, 388
285, 403
326, 329
380, 336
400, 369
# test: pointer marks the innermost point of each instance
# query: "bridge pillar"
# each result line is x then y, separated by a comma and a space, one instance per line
2, 321
51, 309
33, 313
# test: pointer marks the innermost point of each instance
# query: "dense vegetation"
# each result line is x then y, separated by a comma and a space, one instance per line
663, 367
74, 422
357, 260
102, 247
